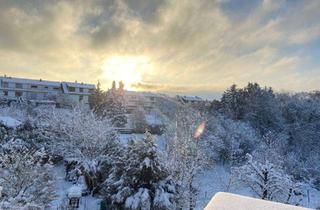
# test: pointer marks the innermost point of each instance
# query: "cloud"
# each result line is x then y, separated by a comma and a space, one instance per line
192, 46
285, 63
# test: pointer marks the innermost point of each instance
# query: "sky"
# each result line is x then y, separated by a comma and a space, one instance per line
188, 47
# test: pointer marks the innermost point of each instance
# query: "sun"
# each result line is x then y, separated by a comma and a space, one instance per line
128, 69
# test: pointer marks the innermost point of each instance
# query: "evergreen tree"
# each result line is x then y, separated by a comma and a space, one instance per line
140, 181
96, 98
121, 86
113, 106
253, 104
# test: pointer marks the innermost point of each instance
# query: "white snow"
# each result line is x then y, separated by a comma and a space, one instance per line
212, 181
74, 191
218, 179
146, 162
162, 198
140, 200
228, 201
45, 82
62, 186
9, 122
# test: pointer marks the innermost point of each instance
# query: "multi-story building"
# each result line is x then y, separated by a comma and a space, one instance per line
12, 88
135, 99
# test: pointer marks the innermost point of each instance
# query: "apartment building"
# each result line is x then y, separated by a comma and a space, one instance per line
12, 88
135, 99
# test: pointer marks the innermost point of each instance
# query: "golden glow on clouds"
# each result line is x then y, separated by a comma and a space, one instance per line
128, 69
173, 46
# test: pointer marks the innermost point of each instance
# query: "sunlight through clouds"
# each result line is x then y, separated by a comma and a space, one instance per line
128, 69
196, 44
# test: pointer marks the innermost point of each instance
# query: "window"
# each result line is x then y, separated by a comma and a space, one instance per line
4, 84
46, 87
5, 93
19, 85
33, 96
80, 98
18, 93
72, 89
34, 86
81, 90
56, 88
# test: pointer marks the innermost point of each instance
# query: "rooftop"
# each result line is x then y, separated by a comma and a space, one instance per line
228, 201
45, 82
191, 98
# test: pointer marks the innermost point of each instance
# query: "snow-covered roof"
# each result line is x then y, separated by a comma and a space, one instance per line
30, 81
228, 201
9, 122
80, 85
46, 82
43, 101
191, 98
74, 192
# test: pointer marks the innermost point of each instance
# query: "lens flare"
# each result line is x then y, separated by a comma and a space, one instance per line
199, 130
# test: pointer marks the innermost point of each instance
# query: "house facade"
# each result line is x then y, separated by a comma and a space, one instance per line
12, 88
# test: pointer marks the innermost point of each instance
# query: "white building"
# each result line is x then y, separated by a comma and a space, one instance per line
40, 90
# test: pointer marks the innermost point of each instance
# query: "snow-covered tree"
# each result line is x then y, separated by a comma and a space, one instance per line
140, 181
79, 135
25, 178
113, 107
78, 132
267, 180
97, 97
186, 157
252, 104
228, 141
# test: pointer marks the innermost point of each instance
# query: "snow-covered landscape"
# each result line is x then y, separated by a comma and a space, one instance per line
159, 104
81, 157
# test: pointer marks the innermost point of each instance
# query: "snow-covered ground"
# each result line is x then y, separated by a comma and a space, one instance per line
218, 179
214, 180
